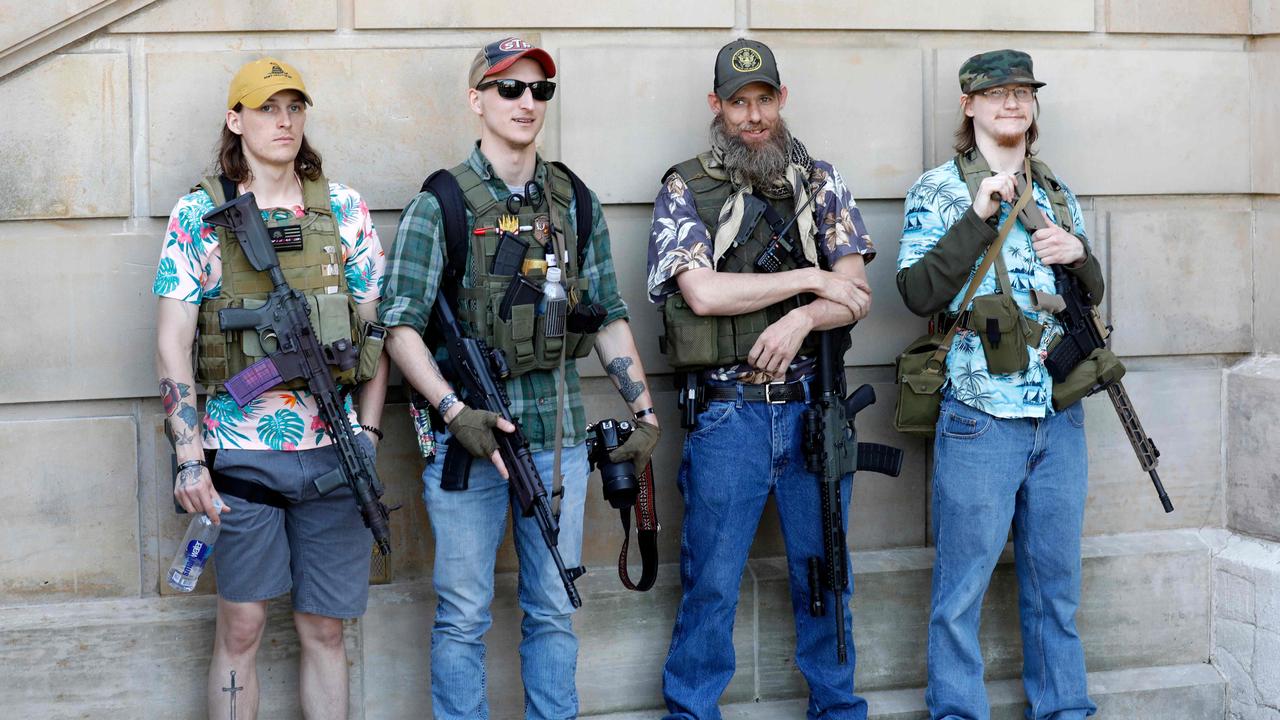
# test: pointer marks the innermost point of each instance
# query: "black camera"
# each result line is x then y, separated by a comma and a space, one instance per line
618, 480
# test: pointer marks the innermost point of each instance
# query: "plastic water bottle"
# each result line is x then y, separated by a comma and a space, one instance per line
555, 303
196, 548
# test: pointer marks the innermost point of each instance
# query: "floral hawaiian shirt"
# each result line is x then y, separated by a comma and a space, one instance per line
933, 205
190, 269
680, 241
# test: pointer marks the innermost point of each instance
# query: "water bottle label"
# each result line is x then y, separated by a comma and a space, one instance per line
197, 551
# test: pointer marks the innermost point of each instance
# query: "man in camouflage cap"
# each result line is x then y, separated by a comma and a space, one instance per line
1005, 453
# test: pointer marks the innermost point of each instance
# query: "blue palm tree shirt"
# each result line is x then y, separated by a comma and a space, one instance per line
935, 203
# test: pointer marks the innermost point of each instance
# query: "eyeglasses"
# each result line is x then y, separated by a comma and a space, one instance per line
1022, 94
512, 89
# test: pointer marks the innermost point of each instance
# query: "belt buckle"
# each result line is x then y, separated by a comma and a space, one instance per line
768, 392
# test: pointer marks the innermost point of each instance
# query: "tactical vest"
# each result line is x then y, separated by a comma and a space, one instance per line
317, 270
693, 341
520, 337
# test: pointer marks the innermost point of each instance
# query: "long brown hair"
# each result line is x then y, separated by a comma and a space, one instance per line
230, 160
967, 139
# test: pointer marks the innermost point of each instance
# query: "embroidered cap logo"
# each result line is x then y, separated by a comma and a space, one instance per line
747, 60
277, 71
514, 44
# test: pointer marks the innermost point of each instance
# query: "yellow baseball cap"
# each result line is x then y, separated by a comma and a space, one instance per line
257, 81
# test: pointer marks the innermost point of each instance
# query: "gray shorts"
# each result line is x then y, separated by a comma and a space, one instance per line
318, 546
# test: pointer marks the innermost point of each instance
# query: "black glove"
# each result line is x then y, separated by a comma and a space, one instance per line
638, 447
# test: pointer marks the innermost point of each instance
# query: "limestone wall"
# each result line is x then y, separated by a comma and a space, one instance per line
1162, 116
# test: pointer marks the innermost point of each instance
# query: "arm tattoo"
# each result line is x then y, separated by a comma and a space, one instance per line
180, 412
629, 388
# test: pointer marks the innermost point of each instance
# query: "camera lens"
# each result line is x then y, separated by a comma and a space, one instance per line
619, 481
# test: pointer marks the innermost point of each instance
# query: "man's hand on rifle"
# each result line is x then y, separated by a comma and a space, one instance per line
474, 429
193, 489
1055, 246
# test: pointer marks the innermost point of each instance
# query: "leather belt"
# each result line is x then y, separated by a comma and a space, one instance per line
774, 393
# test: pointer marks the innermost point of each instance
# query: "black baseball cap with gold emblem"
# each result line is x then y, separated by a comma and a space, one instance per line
744, 61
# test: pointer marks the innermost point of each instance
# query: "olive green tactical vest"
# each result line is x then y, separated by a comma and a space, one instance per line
695, 342
317, 270
520, 337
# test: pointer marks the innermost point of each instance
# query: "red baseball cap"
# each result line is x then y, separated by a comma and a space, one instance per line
502, 54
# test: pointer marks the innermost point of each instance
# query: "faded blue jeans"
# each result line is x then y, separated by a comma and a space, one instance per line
469, 526
989, 473
733, 460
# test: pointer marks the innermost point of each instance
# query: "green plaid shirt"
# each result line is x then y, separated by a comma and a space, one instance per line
416, 265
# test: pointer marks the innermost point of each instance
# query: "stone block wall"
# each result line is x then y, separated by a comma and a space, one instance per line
1161, 116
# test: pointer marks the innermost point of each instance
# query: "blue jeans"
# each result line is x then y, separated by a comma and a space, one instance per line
469, 526
989, 472
733, 460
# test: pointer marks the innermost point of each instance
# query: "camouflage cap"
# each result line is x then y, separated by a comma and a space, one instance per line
997, 67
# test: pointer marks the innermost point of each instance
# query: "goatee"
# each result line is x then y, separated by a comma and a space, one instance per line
761, 165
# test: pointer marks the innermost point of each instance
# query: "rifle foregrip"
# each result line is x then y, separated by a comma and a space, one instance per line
883, 459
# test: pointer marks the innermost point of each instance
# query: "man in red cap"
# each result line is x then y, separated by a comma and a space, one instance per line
556, 227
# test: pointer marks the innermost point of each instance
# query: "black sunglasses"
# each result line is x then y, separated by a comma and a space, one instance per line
512, 89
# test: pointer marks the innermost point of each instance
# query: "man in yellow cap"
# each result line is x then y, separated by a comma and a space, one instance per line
252, 468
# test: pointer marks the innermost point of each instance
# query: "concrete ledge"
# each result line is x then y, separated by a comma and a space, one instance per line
1146, 603
1190, 692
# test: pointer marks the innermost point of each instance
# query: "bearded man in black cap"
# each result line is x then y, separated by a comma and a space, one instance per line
715, 215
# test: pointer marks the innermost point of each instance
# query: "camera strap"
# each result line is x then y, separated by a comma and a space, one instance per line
646, 534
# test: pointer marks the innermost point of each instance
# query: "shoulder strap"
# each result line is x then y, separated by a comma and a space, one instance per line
582, 210
453, 211
1044, 176
973, 169
315, 196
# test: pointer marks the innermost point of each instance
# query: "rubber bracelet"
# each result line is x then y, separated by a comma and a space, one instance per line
446, 402
375, 431
646, 411
190, 464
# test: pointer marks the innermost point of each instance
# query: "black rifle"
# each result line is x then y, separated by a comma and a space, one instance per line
831, 451
284, 318
479, 371
1084, 332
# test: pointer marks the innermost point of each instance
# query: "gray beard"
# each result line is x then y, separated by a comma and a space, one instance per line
760, 167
